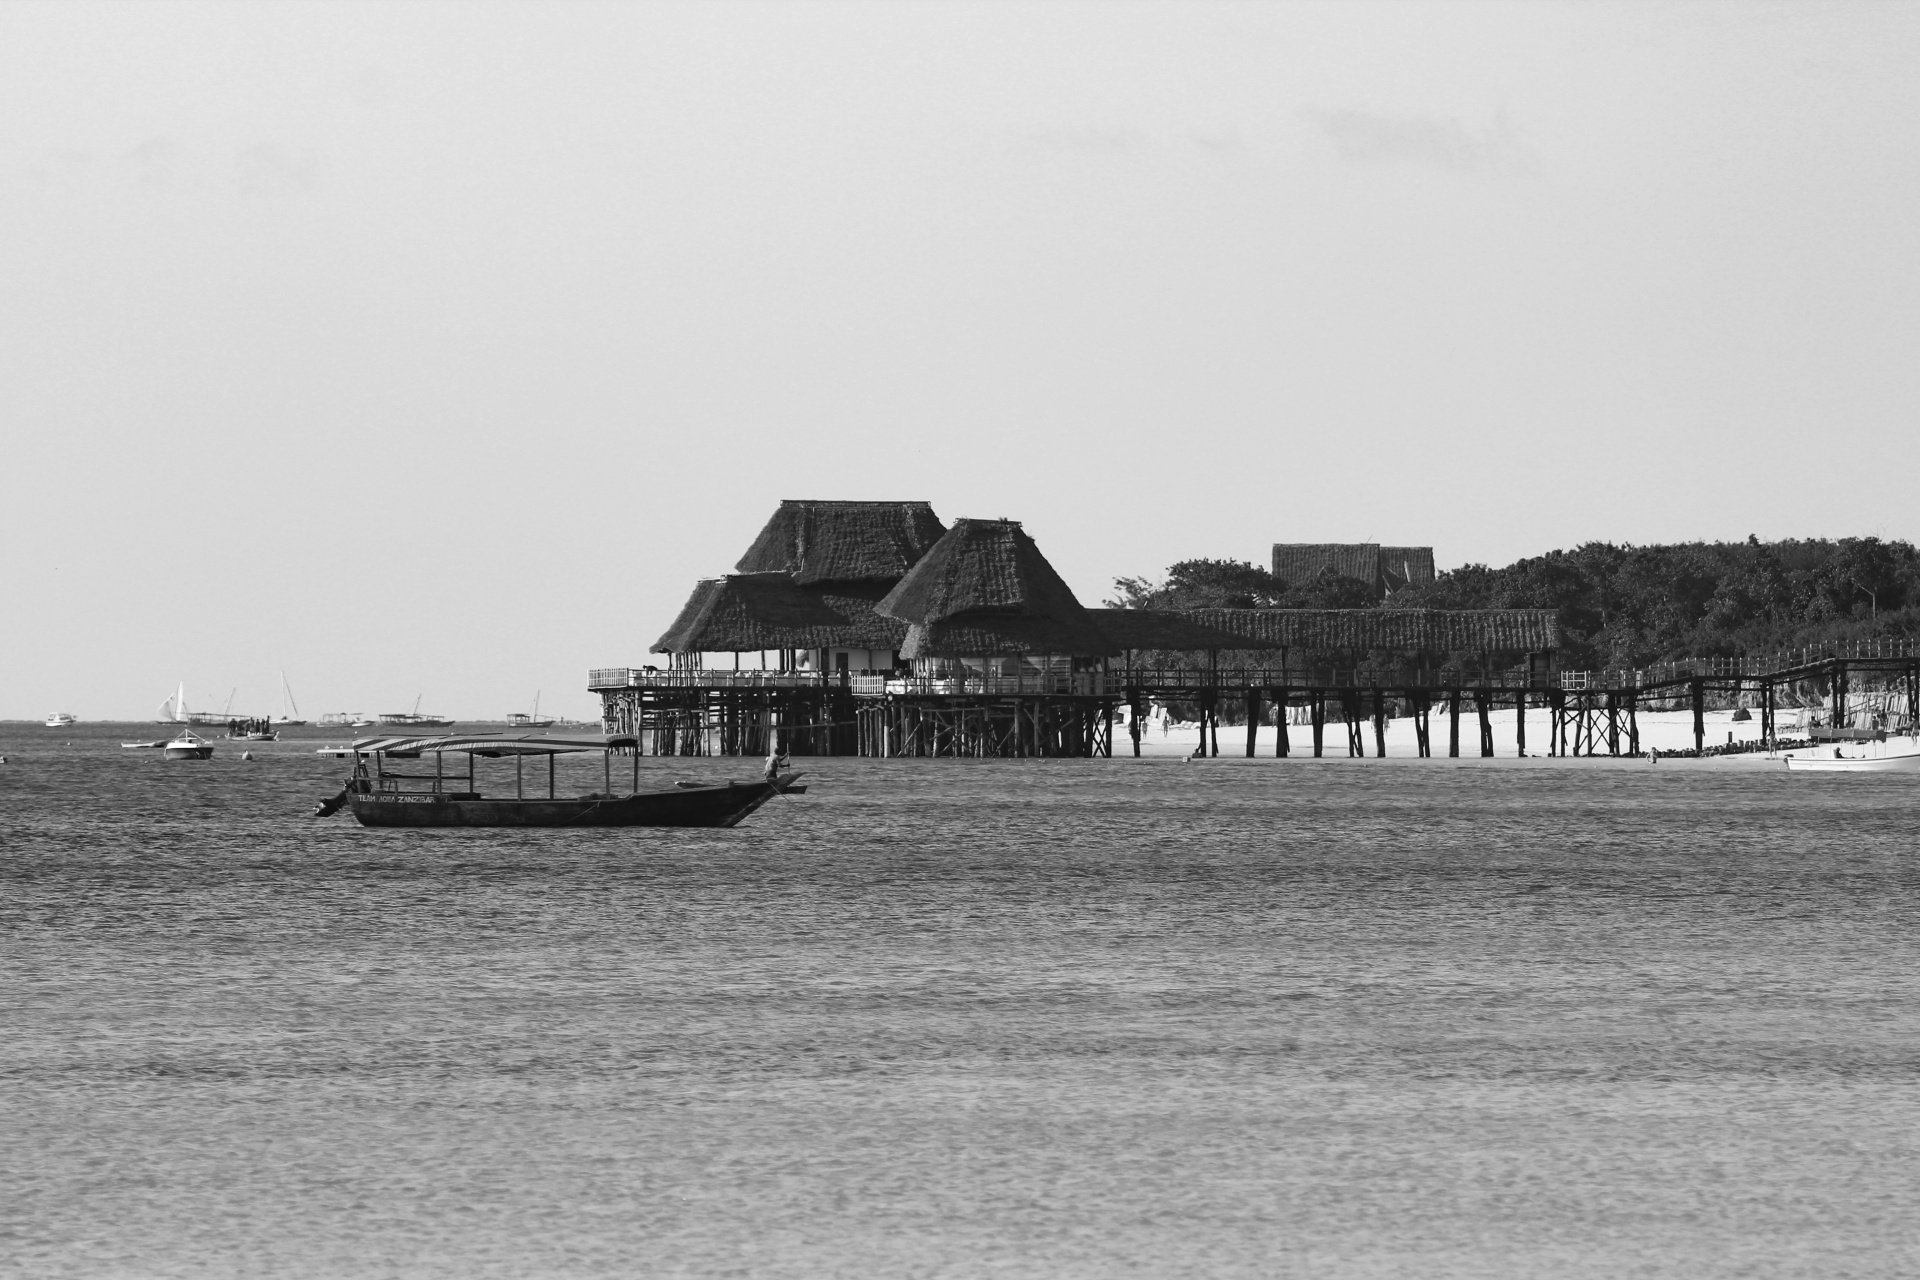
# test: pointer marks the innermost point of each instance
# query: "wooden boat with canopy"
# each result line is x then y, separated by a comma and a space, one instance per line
381, 796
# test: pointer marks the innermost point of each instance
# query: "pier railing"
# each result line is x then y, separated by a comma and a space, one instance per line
607, 679
1747, 667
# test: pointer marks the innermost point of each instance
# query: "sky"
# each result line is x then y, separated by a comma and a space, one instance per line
433, 352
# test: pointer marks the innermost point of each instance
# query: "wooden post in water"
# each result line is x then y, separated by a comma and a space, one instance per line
1253, 719
1133, 716
1520, 721
1453, 722
1379, 723
519, 777
1481, 701
1280, 743
1699, 688
1633, 724
1317, 709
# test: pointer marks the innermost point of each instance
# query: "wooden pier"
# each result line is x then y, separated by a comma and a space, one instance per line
871, 628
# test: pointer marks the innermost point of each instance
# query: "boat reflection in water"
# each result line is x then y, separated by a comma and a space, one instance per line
383, 797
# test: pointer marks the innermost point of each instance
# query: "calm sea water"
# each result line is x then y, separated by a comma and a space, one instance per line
964, 1019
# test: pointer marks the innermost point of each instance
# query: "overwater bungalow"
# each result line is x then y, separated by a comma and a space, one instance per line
872, 628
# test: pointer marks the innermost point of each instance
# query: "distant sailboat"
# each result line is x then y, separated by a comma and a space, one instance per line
289, 709
413, 719
174, 710
521, 720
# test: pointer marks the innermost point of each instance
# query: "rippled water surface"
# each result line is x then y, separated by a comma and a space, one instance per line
963, 1018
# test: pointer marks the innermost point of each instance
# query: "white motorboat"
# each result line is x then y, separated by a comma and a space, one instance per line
187, 745
62, 719
1895, 755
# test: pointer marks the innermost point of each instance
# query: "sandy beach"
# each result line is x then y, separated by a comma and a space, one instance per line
1659, 730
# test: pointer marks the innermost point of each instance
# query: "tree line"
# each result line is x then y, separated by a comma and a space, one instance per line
1618, 605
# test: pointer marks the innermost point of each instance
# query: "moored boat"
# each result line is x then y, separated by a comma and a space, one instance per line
412, 719
382, 797
529, 720
289, 709
187, 745
62, 720
1889, 756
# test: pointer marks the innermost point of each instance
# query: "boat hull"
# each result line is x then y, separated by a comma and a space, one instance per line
1909, 763
187, 753
720, 805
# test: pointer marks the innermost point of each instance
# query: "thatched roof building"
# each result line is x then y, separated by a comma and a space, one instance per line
984, 590
741, 613
807, 587
1172, 630
843, 541
1413, 631
1386, 569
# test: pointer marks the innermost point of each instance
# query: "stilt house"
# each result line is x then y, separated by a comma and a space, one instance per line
803, 598
985, 611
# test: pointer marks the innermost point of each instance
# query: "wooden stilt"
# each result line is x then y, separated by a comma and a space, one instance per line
1253, 720
1481, 702
1317, 709
1379, 724
1280, 744
1453, 723
1520, 722
1699, 689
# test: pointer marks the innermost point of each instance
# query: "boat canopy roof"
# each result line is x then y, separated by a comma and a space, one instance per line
499, 744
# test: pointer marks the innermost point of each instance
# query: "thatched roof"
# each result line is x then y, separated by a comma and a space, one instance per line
745, 612
985, 589
1406, 567
843, 541
1301, 561
1140, 629
1432, 631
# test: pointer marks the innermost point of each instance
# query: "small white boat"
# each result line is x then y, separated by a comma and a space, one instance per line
1900, 755
62, 719
187, 745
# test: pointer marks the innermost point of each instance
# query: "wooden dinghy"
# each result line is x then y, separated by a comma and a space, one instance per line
379, 796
